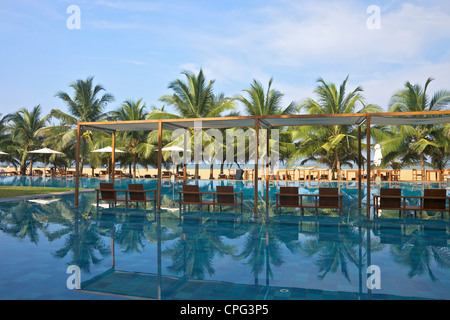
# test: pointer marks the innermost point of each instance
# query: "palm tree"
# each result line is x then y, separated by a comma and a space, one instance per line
267, 103
85, 106
263, 103
24, 126
135, 142
332, 145
194, 99
417, 141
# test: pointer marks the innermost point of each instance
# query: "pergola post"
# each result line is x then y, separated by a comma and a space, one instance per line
267, 165
184, 157
255, 209
158, 197
368, 167
77, 165
113, 157
359, 166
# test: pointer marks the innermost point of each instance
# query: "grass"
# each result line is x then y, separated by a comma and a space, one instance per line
11, 192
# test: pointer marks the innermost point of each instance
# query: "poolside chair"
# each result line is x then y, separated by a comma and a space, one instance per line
391, 199
287, 197
227, 197
330, 198
192, 195
108, 193
435, 200
138, 194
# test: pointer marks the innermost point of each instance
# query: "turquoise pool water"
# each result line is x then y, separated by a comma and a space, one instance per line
136, 253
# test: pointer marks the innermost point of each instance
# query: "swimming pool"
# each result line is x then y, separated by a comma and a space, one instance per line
136, 253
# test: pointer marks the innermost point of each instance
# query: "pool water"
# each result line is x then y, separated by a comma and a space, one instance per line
134, 252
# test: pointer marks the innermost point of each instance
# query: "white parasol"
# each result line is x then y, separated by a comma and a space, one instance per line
173, 149
108, 149
46, 151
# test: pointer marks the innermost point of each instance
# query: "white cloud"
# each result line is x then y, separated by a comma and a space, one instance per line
331, 40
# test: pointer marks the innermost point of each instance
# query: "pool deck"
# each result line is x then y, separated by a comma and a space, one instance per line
44, 195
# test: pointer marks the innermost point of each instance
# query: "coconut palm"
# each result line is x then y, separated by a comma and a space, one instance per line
413, 143
24, 126
135, 142
263, 103
85, 106
194, 99
332, 145
268, 102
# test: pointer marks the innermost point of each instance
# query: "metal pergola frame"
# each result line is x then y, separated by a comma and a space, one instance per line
356, 119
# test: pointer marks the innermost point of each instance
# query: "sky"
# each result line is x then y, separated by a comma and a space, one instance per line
135, 48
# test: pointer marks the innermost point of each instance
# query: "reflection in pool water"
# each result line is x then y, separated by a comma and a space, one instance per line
136, 253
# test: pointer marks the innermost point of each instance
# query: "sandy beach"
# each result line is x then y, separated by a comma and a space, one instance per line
349, 174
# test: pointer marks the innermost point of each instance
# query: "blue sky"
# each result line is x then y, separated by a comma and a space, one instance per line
136, 48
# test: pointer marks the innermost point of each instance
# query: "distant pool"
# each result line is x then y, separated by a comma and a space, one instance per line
136, 253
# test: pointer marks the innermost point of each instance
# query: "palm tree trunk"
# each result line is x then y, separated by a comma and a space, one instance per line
134, 165
211, 171
30, 172
422, 164
196, 170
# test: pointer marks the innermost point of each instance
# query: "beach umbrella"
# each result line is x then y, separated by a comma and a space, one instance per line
1, 152
173, 149
108, 150
45, 151
305, 167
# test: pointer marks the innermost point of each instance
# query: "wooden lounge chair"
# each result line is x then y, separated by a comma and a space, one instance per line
222, 176
108, 193
137, 194
192, 195
231, 174
61, 172
166, 174
227, 197
37, 172
435, 200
